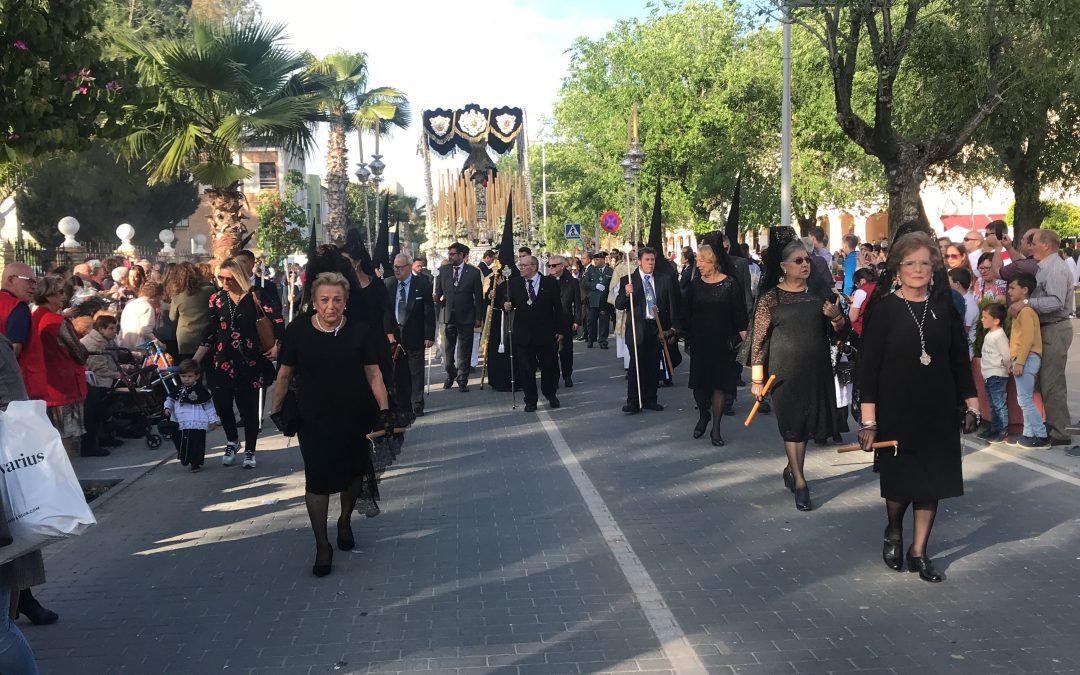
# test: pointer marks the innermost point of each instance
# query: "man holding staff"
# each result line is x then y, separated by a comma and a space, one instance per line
537, 323
653, 296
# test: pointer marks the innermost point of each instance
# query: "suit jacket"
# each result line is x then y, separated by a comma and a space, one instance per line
742, 275
419, 324
667, 305
539, 322
573, 301
461, 304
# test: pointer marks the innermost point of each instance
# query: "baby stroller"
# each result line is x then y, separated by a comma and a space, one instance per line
134, 403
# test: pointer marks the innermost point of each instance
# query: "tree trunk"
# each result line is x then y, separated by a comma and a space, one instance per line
806, 222
336, 182
1028, 212
904, 179
226, 220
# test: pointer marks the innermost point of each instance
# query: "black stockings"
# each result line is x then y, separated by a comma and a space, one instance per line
796, 458
925, 512
707, 399
318, 507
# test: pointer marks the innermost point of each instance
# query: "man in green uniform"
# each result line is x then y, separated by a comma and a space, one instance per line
595, 282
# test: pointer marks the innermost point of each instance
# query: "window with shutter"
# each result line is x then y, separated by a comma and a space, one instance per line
268, 176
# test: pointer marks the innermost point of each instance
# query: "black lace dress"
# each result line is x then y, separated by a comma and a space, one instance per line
715, 314
791, 340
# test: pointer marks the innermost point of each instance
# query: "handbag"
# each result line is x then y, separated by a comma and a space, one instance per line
263, 326
42, 499
287, 420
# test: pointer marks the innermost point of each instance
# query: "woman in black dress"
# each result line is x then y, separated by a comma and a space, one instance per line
793, 328
341, 397
914, 376
240, 368
715, 319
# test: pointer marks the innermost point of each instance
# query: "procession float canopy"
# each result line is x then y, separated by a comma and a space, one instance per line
460, 200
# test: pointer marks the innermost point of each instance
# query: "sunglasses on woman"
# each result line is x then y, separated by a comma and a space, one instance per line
799, 261
954, 256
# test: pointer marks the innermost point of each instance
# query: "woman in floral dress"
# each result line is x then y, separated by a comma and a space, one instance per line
240, 368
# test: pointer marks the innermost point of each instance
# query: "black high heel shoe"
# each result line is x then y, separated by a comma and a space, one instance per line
924, 567
702, 424
716, 439
789, 480
345, 539
802, 498
322, 570
891, 552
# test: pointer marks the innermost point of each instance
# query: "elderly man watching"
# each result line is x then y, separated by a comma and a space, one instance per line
1055, 303
16, 292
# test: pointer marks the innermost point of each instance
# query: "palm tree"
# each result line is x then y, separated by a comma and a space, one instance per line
348, 104
223, 88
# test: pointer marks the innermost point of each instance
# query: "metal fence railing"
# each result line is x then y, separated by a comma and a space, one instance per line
40, 257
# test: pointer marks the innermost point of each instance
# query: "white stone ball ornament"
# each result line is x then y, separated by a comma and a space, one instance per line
69, 227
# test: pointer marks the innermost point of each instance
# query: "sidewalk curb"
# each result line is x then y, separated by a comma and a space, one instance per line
977, 445
124, 484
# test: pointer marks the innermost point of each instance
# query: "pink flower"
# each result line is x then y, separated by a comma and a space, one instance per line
84, 90
224, 325
20, 45
113, 86
84, 73
226, 366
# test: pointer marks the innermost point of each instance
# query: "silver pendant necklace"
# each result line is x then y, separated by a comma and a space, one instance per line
924, 358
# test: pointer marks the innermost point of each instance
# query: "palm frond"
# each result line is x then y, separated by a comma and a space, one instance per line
219, 173
178, 154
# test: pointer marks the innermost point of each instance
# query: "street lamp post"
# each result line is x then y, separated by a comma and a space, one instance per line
631, 165
377, 167
785, 129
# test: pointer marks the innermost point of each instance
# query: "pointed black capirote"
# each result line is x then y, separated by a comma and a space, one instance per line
506, 246
380, 255
731, 228
656, 229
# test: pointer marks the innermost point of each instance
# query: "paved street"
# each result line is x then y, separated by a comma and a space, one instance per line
503, 550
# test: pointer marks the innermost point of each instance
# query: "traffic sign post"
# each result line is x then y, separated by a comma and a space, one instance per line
572, 232
610, 221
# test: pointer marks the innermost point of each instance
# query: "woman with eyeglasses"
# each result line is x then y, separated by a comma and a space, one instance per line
240, 368
988, 285
65, 362
914, 375
794, 326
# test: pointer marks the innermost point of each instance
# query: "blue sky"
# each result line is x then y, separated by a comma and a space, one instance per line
427, 49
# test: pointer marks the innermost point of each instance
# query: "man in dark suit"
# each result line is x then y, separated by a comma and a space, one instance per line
414, 319
459, 296
538, 323
572, 297
486, 261
654, 296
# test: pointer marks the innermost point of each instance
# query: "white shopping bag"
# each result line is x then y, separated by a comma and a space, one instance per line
42, 497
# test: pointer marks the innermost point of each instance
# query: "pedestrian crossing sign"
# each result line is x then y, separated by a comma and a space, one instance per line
573, 231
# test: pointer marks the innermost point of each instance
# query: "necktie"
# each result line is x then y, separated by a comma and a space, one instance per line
532, 291
650, 296
401, 304
457, 274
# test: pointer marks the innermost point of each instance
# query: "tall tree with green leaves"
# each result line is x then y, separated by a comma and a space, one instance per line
225, 88
914, 80
348, 105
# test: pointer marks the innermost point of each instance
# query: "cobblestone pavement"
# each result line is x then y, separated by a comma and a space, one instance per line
488, 559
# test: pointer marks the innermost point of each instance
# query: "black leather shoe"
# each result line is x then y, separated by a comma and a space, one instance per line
588, 345
891, 552
554, 403
449, 384
110, 443
632, 409
32, 609
530, 407
716, 439
702, 423
568, 382
345, 539
322, 570
789, 479
924, 567
463, 388
653, 406
603, 345
802, 498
